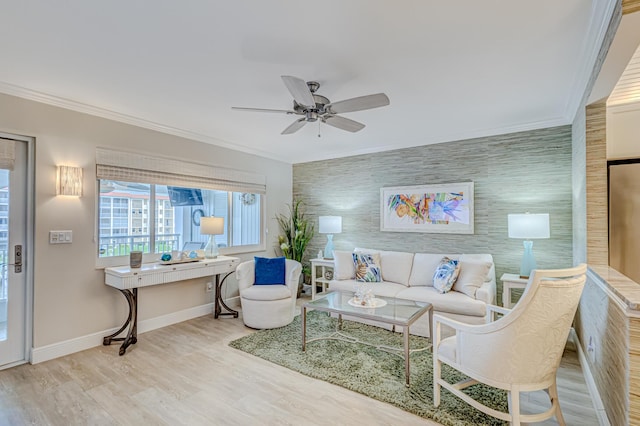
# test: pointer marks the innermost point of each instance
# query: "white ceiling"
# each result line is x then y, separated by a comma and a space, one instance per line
452, 70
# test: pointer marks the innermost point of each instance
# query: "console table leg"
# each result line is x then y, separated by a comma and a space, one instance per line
132, 322
219, 302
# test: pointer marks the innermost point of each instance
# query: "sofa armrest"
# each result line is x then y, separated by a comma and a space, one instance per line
487, 292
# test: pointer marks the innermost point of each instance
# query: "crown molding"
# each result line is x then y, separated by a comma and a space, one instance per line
592, 44
57, 101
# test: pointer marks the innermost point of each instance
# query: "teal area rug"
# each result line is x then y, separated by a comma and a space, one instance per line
370, 371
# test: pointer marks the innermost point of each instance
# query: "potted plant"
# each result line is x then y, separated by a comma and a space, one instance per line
296, 235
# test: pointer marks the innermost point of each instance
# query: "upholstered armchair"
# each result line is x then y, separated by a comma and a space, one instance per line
268, 306
519, 352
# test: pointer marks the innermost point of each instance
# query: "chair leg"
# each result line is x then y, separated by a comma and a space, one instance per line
555, 401
437, 367
514, 406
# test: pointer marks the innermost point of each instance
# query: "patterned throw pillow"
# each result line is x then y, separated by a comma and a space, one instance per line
446, 274
366, 268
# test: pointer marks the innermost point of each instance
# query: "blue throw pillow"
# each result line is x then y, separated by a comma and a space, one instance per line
269, 270
446, 275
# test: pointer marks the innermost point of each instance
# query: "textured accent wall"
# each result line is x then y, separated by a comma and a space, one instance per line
596, 160
579, 179
513, 173
602, 320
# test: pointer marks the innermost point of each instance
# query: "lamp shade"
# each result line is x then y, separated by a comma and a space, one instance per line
69, 181
528, 226
330, 224
212, 225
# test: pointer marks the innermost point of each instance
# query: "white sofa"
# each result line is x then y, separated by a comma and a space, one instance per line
410, 276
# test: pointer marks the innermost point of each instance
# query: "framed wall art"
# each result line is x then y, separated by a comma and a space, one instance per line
440, 208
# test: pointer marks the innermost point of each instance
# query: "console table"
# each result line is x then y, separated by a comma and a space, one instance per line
127, 280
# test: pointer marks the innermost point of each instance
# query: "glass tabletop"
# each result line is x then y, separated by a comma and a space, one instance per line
388, 309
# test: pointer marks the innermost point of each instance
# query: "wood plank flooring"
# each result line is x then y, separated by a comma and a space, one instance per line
186, 374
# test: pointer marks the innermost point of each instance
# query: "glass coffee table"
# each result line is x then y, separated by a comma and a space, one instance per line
388, 310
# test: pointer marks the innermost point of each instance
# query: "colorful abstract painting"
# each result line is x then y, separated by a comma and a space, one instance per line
443, 208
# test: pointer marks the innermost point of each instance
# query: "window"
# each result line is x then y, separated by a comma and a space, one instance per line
154, 205
124, 227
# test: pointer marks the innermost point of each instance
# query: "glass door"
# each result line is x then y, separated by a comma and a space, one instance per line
13, 231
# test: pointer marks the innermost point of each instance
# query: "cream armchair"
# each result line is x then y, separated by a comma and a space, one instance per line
268, 306
520, 352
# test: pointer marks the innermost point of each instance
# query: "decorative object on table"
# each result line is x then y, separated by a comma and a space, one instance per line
328, 275
165, 257
211, 226
446, 274
296, 235
371, 372
528, 226
329, 225
443, 208
135, 259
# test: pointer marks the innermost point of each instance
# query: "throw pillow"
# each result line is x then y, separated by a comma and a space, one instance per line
472, 276
269, 271
446, 274
366, 268
343, 265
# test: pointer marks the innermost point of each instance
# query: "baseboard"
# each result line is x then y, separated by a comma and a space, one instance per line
56, 350
588, 378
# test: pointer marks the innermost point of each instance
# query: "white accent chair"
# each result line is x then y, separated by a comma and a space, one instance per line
268, 306
520, 352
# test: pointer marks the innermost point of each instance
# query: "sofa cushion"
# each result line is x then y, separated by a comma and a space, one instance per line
343, 268
396, 266
445, 275
452, 302
367, 270
383, 288
424, 266
266, 292
472, 275
480, 257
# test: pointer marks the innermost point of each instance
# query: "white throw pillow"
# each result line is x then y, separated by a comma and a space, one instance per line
472, 276
343, 268
446, 274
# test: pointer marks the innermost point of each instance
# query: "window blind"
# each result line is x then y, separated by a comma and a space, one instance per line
7, 154
143, 168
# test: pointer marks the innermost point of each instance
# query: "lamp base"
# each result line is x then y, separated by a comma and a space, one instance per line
211, 249
328, 249
528, 261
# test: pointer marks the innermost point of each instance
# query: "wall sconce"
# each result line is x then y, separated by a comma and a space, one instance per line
69, 181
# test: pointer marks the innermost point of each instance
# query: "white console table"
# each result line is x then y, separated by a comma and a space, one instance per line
128, 280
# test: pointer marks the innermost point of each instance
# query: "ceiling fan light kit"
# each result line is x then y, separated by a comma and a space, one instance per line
314, 107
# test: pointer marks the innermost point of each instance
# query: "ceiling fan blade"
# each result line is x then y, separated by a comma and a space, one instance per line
299, 90
264, 110
295, 126
358, 104
343, 123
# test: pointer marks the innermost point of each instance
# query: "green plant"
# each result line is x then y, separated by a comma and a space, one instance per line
297, 232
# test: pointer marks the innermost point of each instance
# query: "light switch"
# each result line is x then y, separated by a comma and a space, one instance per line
60, 237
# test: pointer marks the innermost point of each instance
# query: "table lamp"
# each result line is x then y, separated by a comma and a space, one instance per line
329, 225
528, 227
211, 226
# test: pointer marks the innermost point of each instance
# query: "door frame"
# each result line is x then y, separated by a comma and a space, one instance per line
28, 249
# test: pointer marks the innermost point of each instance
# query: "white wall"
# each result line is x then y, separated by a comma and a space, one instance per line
70, 297
623, 131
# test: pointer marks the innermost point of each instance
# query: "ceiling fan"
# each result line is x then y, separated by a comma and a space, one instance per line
314, 107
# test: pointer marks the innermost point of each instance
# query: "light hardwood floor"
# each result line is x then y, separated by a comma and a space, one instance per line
186, 374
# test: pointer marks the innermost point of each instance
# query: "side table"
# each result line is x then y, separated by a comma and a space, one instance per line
509, 282
323, 265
